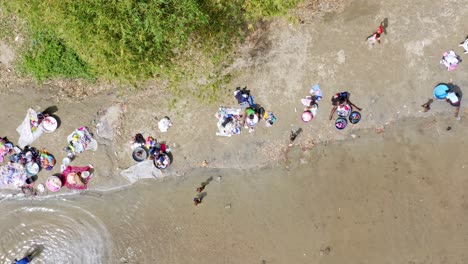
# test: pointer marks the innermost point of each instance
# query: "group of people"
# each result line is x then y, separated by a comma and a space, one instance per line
231, 120
341, 105
253, 112
151, 148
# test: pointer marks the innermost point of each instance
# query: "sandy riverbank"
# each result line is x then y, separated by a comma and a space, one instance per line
279, 64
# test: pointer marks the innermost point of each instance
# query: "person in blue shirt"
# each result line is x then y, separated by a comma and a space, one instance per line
24, 260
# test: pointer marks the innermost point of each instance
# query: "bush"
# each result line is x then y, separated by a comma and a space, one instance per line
48, 57
131, 40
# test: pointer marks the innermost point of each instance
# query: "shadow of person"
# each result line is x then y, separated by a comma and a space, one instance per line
385, 25
50, 110
202, 196
294, 134
34, 251
204, 184
207, 181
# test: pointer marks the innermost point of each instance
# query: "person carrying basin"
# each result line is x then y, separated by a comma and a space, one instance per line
451, 94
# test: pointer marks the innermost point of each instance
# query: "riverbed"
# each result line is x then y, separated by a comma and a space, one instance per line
392, 196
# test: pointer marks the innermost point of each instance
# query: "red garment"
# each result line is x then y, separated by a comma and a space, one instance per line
163, 147
71, 169
380, 30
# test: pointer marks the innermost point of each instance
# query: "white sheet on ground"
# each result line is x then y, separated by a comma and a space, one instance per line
27, 136
233, 127
142, 170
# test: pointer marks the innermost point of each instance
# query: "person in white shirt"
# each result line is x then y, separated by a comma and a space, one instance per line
454, 100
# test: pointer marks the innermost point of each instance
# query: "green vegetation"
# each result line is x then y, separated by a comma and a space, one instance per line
130, 40
48, 57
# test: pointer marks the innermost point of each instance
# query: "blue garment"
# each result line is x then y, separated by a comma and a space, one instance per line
344, 95
315, 90
245, 101
24, 260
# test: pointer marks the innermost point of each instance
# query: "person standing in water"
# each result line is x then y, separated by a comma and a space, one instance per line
341, 102
24, 260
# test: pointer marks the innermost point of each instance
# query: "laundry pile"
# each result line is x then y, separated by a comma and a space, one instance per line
450, 60
247, 115
229, 121
79, 141
6, 148
33, 125
24, 165
152, 149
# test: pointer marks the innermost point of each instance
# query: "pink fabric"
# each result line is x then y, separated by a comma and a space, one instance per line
71, 169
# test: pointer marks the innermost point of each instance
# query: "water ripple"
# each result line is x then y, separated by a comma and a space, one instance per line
67, 234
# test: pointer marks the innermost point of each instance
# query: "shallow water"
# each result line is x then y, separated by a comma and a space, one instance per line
396, 197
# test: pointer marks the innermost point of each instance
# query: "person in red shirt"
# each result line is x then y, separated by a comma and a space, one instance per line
375, 37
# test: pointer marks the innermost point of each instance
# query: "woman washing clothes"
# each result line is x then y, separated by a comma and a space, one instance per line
342, 105
454, 100
250, 119
310, 107
310, 103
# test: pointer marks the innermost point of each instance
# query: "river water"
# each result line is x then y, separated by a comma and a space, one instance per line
394, 197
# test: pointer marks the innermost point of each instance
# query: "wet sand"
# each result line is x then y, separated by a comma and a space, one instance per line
396, 197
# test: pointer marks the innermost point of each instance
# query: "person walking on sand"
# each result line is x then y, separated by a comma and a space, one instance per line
375, 37
342, 104
197, 200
